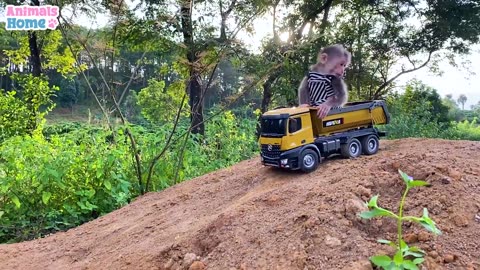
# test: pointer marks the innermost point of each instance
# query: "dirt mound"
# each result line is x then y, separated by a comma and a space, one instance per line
253, 217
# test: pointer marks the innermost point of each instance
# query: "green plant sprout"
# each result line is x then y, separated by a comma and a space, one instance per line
405, 257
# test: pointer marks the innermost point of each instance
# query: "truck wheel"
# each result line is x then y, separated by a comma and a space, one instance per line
308, 160
370, 144
352, 149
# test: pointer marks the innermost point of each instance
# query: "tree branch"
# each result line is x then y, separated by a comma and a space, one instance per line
131, 78
135, 151
274, 23
83, 74
247, 90
224, 15
310, 17
370, 89
389, 81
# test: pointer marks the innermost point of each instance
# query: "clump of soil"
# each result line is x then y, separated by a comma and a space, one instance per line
253, 217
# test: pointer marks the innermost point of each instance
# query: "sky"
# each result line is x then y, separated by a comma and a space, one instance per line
454, 80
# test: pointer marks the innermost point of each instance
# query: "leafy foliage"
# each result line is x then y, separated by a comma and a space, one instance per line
74, 173
419, 112
415, 122
160, 104
26, 105
52, 185
468, 130
414, 118
14, 116
24, 111
417, 92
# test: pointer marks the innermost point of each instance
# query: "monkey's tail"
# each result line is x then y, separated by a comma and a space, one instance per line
341, 92
303, 97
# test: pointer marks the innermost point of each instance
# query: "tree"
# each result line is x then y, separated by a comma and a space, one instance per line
7, 42
381, 35
31, 97
34, 57
450, 102
418, 91
454, 111
203, 44
476, 108
40, 53
462, 99
292, 57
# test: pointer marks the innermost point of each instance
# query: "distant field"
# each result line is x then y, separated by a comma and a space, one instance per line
78, 113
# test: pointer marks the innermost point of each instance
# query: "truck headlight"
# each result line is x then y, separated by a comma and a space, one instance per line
284, 161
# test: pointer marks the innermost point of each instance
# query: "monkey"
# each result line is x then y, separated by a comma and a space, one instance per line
324, 87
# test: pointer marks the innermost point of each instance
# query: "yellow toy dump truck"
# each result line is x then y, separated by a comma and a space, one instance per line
294, 138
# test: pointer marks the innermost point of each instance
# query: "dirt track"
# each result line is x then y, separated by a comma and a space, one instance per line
252, 217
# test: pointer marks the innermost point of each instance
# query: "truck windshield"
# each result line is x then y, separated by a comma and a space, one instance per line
273, 127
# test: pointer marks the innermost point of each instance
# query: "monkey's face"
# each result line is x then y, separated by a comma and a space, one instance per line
336, 65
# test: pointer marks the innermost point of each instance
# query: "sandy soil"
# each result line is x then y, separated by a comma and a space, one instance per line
253, 217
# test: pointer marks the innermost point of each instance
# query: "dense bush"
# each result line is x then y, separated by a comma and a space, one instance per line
418, 119
77, 172
23, 110
56, 184
468, 130
13, 116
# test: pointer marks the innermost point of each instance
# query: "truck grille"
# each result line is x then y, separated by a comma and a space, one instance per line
273, 153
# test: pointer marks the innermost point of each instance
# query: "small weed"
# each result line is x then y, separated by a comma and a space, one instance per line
405, 257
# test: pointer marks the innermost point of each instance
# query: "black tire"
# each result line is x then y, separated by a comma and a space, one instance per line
308, 160
351, 149
370, 144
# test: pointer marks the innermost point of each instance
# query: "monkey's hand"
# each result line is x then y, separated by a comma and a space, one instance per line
323, 110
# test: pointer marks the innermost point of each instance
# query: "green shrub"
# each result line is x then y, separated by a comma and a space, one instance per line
53, 185
23, 111
73, 173
13, 116
467, 130
419, 112
415, 121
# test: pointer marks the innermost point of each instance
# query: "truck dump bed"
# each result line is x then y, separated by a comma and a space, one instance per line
354, 115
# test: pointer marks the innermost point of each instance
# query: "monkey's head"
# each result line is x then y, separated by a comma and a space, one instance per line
334, 60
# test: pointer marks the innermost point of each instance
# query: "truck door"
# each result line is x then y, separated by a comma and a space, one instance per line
299, 131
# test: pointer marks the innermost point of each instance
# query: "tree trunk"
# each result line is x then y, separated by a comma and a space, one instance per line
359, 55
196, 101
36, 67
293, 39
194, 89
34, 54
34, 51
267, 97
